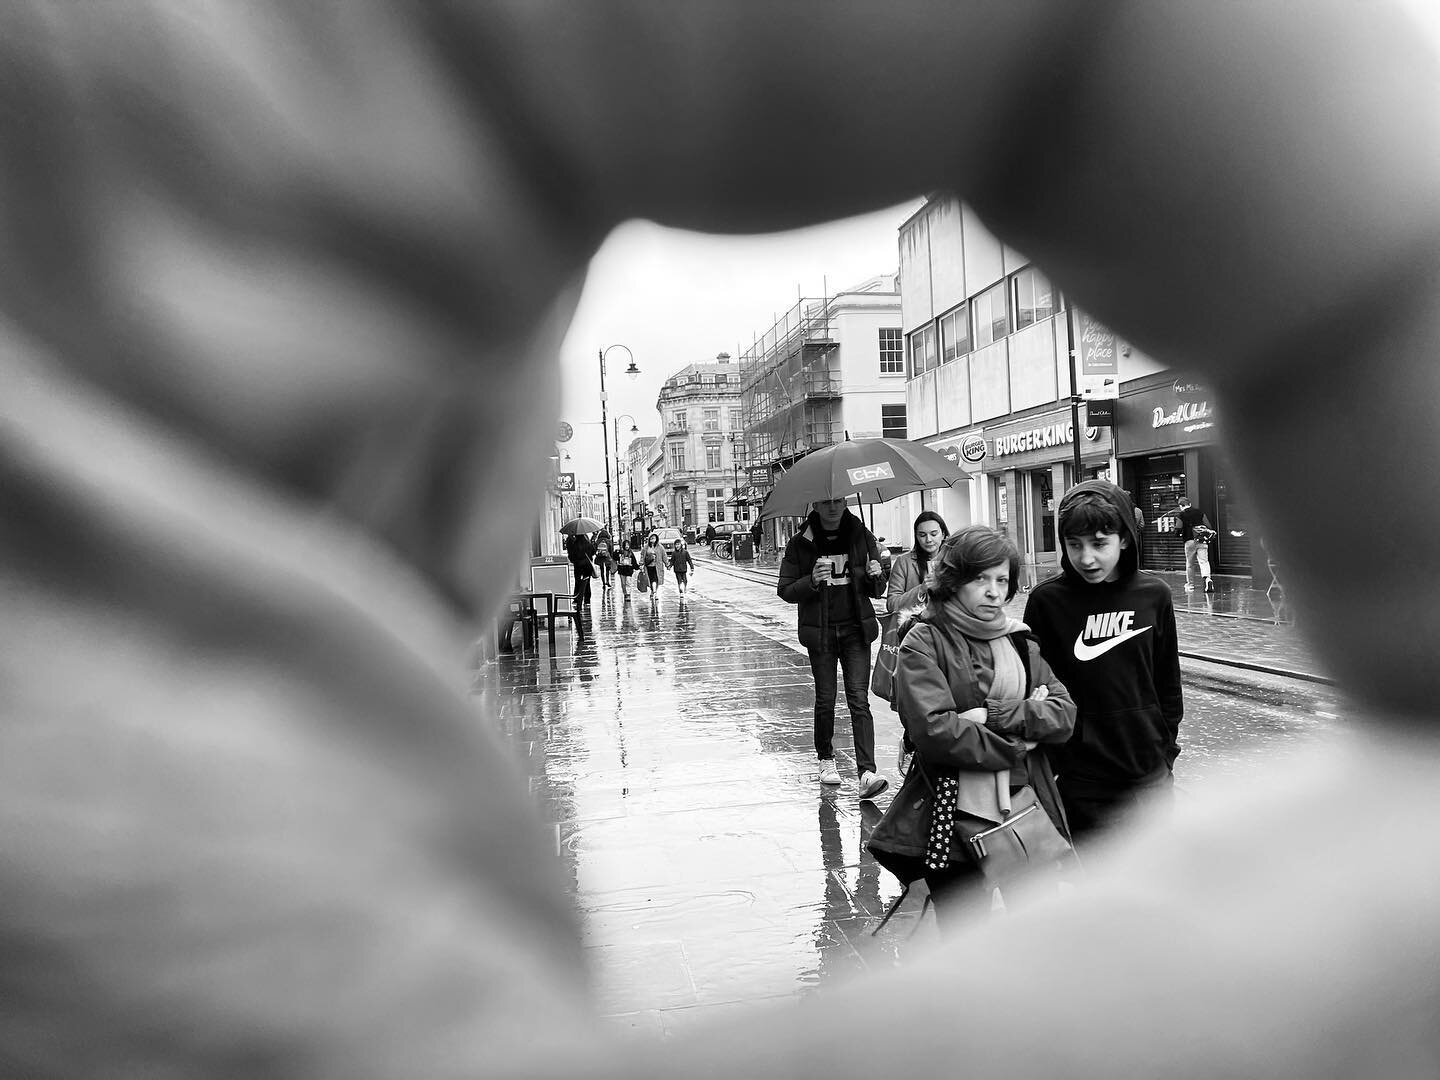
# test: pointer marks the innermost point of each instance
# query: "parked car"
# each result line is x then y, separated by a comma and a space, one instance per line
668, 536
725, 532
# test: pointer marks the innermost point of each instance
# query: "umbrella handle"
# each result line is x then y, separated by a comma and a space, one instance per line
1002, 791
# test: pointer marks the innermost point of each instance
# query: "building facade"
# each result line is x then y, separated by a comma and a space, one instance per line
701, 433
830, 368
988, 343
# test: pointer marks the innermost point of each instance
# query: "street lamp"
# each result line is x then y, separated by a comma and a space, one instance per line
634, 430
632, 371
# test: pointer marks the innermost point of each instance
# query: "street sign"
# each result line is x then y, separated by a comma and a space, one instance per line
758, 475
565, 481
565, 433
1100, 412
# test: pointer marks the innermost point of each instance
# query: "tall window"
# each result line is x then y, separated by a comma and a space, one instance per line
677, 458
1034, 297
892, 421
712, 457
715, 504
711, 419
735, 423
954, 333
989, 319
677, 420
892, 351
922, 351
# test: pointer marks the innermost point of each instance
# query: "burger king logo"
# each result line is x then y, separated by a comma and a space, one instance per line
972, 450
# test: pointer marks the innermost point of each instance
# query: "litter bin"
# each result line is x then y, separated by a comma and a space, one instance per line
744, 548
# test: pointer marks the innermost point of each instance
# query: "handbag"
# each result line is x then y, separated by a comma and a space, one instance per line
642, 581
887, 660
1023, 843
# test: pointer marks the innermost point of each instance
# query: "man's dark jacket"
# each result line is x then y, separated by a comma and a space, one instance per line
795, 585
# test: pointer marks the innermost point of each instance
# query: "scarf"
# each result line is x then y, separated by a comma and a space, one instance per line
972, 626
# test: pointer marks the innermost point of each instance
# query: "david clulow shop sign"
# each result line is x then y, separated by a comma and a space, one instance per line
1166, 417
1191, 415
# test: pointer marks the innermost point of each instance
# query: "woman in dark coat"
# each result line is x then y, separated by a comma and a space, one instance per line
978, 701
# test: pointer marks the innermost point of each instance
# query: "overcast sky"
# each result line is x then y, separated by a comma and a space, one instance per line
677, 298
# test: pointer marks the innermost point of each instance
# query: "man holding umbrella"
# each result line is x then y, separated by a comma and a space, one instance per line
831, 569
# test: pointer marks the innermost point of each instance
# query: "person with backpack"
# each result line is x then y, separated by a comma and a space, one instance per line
625, 566
1195, 530
605, 560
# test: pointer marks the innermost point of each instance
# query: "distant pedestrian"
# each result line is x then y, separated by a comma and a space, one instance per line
653, 558
1195, 530
710, 536
605, 560
581, 551
756, 532
906, 593
831, 570
977, 698
682, 564
626, 563
1108, 631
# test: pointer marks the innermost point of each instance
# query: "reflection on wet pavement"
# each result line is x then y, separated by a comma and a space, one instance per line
669, 750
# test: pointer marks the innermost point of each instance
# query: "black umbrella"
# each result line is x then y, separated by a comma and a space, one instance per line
580, 525
875, 470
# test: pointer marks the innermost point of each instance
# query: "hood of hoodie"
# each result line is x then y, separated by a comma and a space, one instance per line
1125, 508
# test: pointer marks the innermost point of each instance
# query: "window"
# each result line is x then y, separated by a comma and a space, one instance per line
922, 351
892, 421
892, 352
677, 458
1034, 297
735, 423
677, 420
712, 457
989, 319
722, 379
712, 419
954, 333
715, 504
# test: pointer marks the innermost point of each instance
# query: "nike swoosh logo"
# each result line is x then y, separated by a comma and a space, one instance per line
1090, 652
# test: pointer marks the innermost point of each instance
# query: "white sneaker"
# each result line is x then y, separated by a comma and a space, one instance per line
872, 784
1189, 587
828, 773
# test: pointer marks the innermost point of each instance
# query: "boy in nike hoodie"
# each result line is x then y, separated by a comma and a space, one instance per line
1107, 630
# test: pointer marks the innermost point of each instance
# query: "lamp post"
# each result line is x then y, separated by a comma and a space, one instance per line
634, 430
632, 371
737, 451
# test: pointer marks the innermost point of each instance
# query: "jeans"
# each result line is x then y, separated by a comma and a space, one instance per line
1197, 560
847, 645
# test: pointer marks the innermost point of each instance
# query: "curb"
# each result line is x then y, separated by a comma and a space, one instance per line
749, 573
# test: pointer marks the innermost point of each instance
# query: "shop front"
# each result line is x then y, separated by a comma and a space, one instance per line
1029, 464
1167, 435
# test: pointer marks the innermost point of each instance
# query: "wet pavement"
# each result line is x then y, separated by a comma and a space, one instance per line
669, 751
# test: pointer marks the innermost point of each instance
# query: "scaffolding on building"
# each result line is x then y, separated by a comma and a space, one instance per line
790, 385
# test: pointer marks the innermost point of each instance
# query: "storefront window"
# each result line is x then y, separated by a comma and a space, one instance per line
1043, 511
